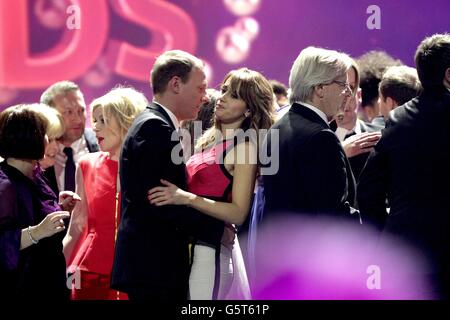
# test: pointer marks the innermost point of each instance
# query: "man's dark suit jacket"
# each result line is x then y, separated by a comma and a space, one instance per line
358, 162
410, 166
314, 175
49, 173
151, 254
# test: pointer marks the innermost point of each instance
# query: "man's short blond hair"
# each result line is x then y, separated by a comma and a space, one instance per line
400, 83
170, 64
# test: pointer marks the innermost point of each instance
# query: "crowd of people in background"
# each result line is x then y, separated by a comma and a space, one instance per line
165, 199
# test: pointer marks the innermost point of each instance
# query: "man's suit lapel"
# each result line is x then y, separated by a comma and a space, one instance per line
155, 107
351, 182
314, 117
162, 113
308, 114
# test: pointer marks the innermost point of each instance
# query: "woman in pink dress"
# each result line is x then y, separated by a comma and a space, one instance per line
90, 240
221, 178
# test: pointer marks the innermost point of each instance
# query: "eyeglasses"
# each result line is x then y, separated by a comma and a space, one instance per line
344, 85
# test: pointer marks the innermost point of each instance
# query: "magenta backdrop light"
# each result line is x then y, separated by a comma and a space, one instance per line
103, 43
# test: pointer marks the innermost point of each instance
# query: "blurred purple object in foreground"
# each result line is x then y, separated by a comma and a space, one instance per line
303, 259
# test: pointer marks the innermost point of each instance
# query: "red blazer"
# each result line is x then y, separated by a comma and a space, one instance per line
95, 251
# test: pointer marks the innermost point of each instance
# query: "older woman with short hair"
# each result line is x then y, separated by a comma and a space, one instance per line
55, 131
31, 260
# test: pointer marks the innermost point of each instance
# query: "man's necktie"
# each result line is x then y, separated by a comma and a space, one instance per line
69, 172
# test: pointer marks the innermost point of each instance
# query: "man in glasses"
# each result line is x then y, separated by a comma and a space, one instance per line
314, 175
357, 137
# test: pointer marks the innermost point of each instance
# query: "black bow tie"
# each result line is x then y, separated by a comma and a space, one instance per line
349, 134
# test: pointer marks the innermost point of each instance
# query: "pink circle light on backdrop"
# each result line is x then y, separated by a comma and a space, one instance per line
242, 7
248, 26
51, 13
232, 46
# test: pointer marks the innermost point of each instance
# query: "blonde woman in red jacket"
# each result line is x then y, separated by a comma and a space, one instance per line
90, 240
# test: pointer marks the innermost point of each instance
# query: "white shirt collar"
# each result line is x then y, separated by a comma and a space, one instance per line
174, 119
316, 110
77, 145
342, 132
358, 125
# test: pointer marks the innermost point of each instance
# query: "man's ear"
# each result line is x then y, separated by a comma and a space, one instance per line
174, 84
318, 91
358, 96
391, 103
447, 75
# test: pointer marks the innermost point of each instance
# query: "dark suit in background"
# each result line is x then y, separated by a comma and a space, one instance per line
410, 166
359, 161
314, 175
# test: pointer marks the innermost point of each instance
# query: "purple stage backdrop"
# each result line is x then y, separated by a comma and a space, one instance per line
103, 43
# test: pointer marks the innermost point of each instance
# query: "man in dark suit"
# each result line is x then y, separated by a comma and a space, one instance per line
398, 85
357, 146
152, 249
66, 97
77, 140
410, 167
314, 176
